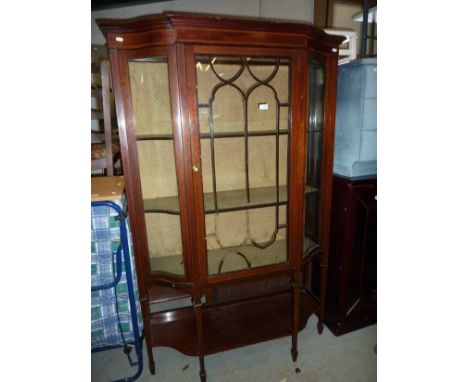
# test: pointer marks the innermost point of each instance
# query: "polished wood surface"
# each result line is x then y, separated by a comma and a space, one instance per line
107, 188
327, 175
238, 308
352, 288
171, 27
231, 325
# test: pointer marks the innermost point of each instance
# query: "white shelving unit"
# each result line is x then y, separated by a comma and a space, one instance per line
348, 49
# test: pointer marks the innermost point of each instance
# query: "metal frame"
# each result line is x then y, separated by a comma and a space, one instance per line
131, 292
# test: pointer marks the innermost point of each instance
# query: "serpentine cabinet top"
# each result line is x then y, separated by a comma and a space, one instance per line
170, 28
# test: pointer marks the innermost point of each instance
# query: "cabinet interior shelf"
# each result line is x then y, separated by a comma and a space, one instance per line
241, 134
209, 194
232, 200
274, 254
257, 257
154, 137
227, 134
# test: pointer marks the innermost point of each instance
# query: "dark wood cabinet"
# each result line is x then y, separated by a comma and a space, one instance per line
226, 130
352, 288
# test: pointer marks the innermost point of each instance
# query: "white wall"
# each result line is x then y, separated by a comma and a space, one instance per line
343, 18
298, 10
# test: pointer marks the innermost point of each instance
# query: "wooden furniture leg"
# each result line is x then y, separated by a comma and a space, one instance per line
323, 291
201, 344
295, 318
160, 63
145, 307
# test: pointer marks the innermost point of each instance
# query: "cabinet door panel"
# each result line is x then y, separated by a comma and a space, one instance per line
362, 276
155, 147
314, 138
243, 105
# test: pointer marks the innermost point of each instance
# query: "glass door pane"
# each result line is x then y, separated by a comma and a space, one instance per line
149, 83
314, 156
244, 125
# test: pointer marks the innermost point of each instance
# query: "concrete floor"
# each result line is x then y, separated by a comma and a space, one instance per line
324, 358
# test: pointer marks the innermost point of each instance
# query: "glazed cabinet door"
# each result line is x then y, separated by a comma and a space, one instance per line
314, 162
320, 136
244, 147
153, 160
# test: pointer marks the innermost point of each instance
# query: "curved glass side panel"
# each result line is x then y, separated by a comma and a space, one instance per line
149, 84
244, 126
314, 157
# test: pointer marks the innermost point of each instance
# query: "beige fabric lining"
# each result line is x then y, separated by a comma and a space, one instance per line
149, 84
164, 235
157, 168
225, 232
275, 254
228, 112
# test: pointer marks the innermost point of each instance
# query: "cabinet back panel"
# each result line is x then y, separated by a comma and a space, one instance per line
149, 82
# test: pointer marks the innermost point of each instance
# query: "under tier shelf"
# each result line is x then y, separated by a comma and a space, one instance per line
229, 326
227, 200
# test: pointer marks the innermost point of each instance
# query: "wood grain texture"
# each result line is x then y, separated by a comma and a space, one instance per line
232, 315
107, 188
352, 291
156, 29
232, 325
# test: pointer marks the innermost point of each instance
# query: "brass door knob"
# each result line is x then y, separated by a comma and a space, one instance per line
195, 169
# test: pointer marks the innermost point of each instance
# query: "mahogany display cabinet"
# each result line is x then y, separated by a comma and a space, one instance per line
226, 128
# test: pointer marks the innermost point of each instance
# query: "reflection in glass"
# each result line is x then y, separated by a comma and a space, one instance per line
243, 109
314, 156
149, 85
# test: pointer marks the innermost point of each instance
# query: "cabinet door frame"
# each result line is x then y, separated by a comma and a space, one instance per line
126, 121
330, 65
296, 160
